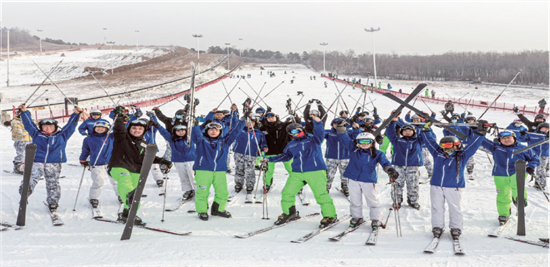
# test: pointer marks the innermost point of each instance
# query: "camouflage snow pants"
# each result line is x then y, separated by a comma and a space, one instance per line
244, 168
542, 172
51, 172
407, 175
470, 165
428, 163
332, 166
20, 150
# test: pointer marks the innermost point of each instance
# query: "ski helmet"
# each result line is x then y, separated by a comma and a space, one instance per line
146, 120
260, 110
470, 118
505, 134
450, 144
178, 128
315, 112
295, 130
338, 121
214, 125
139, 123
344, 112
105, 124
48, 122
368, 119
255, 117
364, 136
415, 117
540, 116
407, 127
179, 113
95, 112
362, 114
542, 125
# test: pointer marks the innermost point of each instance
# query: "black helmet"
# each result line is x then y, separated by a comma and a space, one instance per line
260, 110
343, 112
213, 125
293, 127
362, 114
540, 116
95, 112
179, 113
140, 123
409, 127
470, 118
542, 125
48, 122
457, 145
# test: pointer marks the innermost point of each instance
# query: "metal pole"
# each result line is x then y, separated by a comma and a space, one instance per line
40, 40
373, 52
240, 49
104, 36
198, 36
324, 50
137, 40
228, 44
8, 81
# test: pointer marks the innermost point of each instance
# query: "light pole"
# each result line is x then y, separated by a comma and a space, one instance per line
198, 36
228, 44
8, 62
105, 36
373, 52
111, 43
137, 40
240, 49
40, 41
324, 44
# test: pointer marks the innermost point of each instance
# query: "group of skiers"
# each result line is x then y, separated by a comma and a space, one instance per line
258, 139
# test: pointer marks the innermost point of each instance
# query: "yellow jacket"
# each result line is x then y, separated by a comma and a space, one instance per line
18, 132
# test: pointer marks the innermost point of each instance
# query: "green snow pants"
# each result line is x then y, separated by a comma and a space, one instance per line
126, 182
317, 181
271, 169
204, 180
507, 189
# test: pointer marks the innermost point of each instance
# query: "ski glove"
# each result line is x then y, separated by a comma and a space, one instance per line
150, 114
516, 110
138, 113
392, 173
84, 163
119, 111
523, 132
482, 127
427, 126
530, 171
375, 111
154, 123
168, 165
310, 101
318, 102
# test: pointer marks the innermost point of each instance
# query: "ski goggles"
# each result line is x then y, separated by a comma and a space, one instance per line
505, 134
49, 122
102, 124
180, 128
364, 141
214, 125
95, 114
178, 116
270, 114
139, 122
446, 145
517, 121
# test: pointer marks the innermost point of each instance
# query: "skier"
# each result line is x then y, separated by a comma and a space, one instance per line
427, 93
98, 147
150, 136
277, 138
309, 114
183, 157
211, 166
517, 126
337, 154
307, 166
127, 159
531, 125
406, 159
361, 172
87, 127
448, 182
51, 142
541, 151
542, 105
21, 139
250, 141
504, 170
470, 165
426, 157
169, 123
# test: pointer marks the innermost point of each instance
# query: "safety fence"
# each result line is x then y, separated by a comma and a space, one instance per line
464, 103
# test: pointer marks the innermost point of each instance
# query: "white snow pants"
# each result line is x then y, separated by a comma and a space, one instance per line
187, 177
98, 179
156, 172
357, 190
440, 195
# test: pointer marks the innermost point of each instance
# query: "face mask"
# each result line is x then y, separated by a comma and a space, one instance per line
178, 116
517, 124
454, 121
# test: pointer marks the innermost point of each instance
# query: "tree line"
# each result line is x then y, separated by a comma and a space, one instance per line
21, 37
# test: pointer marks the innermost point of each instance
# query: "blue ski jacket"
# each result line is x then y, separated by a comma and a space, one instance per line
246, 142
50, 148
228, 123
92, 145
305, 151
212, 152
540, 151
180, 151
445, 165
362, 163
407, 151
513, 127
87, 126
335, 148
504, 161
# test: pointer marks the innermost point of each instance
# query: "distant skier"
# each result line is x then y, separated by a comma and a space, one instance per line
531, 125
542, 105
87, 127
541, 151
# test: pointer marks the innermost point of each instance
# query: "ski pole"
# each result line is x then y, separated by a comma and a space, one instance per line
334, 102
229, 93
456, 101
165, 193
426, 105
258, 93
299, 101
387, 218
340, 95
499, 95
51, 72
50, 108
468, 104
79, 186
102, 87
356, 102
72, 103
45, 91
274, 89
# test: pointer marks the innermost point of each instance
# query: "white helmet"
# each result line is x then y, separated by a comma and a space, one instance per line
365, 136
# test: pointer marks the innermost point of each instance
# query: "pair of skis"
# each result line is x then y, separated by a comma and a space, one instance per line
457, 248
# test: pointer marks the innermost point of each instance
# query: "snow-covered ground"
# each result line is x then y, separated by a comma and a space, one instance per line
83, 241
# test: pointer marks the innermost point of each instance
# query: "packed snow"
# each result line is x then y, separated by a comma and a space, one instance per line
84, 241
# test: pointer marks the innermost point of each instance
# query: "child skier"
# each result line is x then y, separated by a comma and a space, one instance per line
361, 172
308, 166
211, 166
21, 139
504, 170
87, 127
51, 142
127, 159
541, 151
98, 147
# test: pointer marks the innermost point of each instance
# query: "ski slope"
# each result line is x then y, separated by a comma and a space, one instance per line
84, 241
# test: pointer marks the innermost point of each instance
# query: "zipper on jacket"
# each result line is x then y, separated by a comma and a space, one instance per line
301, 162
443, 176
338, 146
47, 150
215, 157
200, 162
407, 155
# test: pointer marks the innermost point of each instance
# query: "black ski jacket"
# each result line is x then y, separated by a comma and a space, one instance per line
128, 151
276, 136
169, 123
531, 125
309, 120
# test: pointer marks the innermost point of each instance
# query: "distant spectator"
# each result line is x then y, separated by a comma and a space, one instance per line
389, 86
400, 91
433, 93
449, 107
427, 93
542, 105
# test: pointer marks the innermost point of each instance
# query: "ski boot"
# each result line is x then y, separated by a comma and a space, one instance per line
203, 216
413, 205
455, 233
238, 188
95, 203
375, 224
292, 216
228, 170
215, 212
120, 200
502, 220
257, 167
188, 194
53, 207
248, 198
354, 222
17, 168
326, 221
437, 232
267, 187
123, 217
160, 183
345, 189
